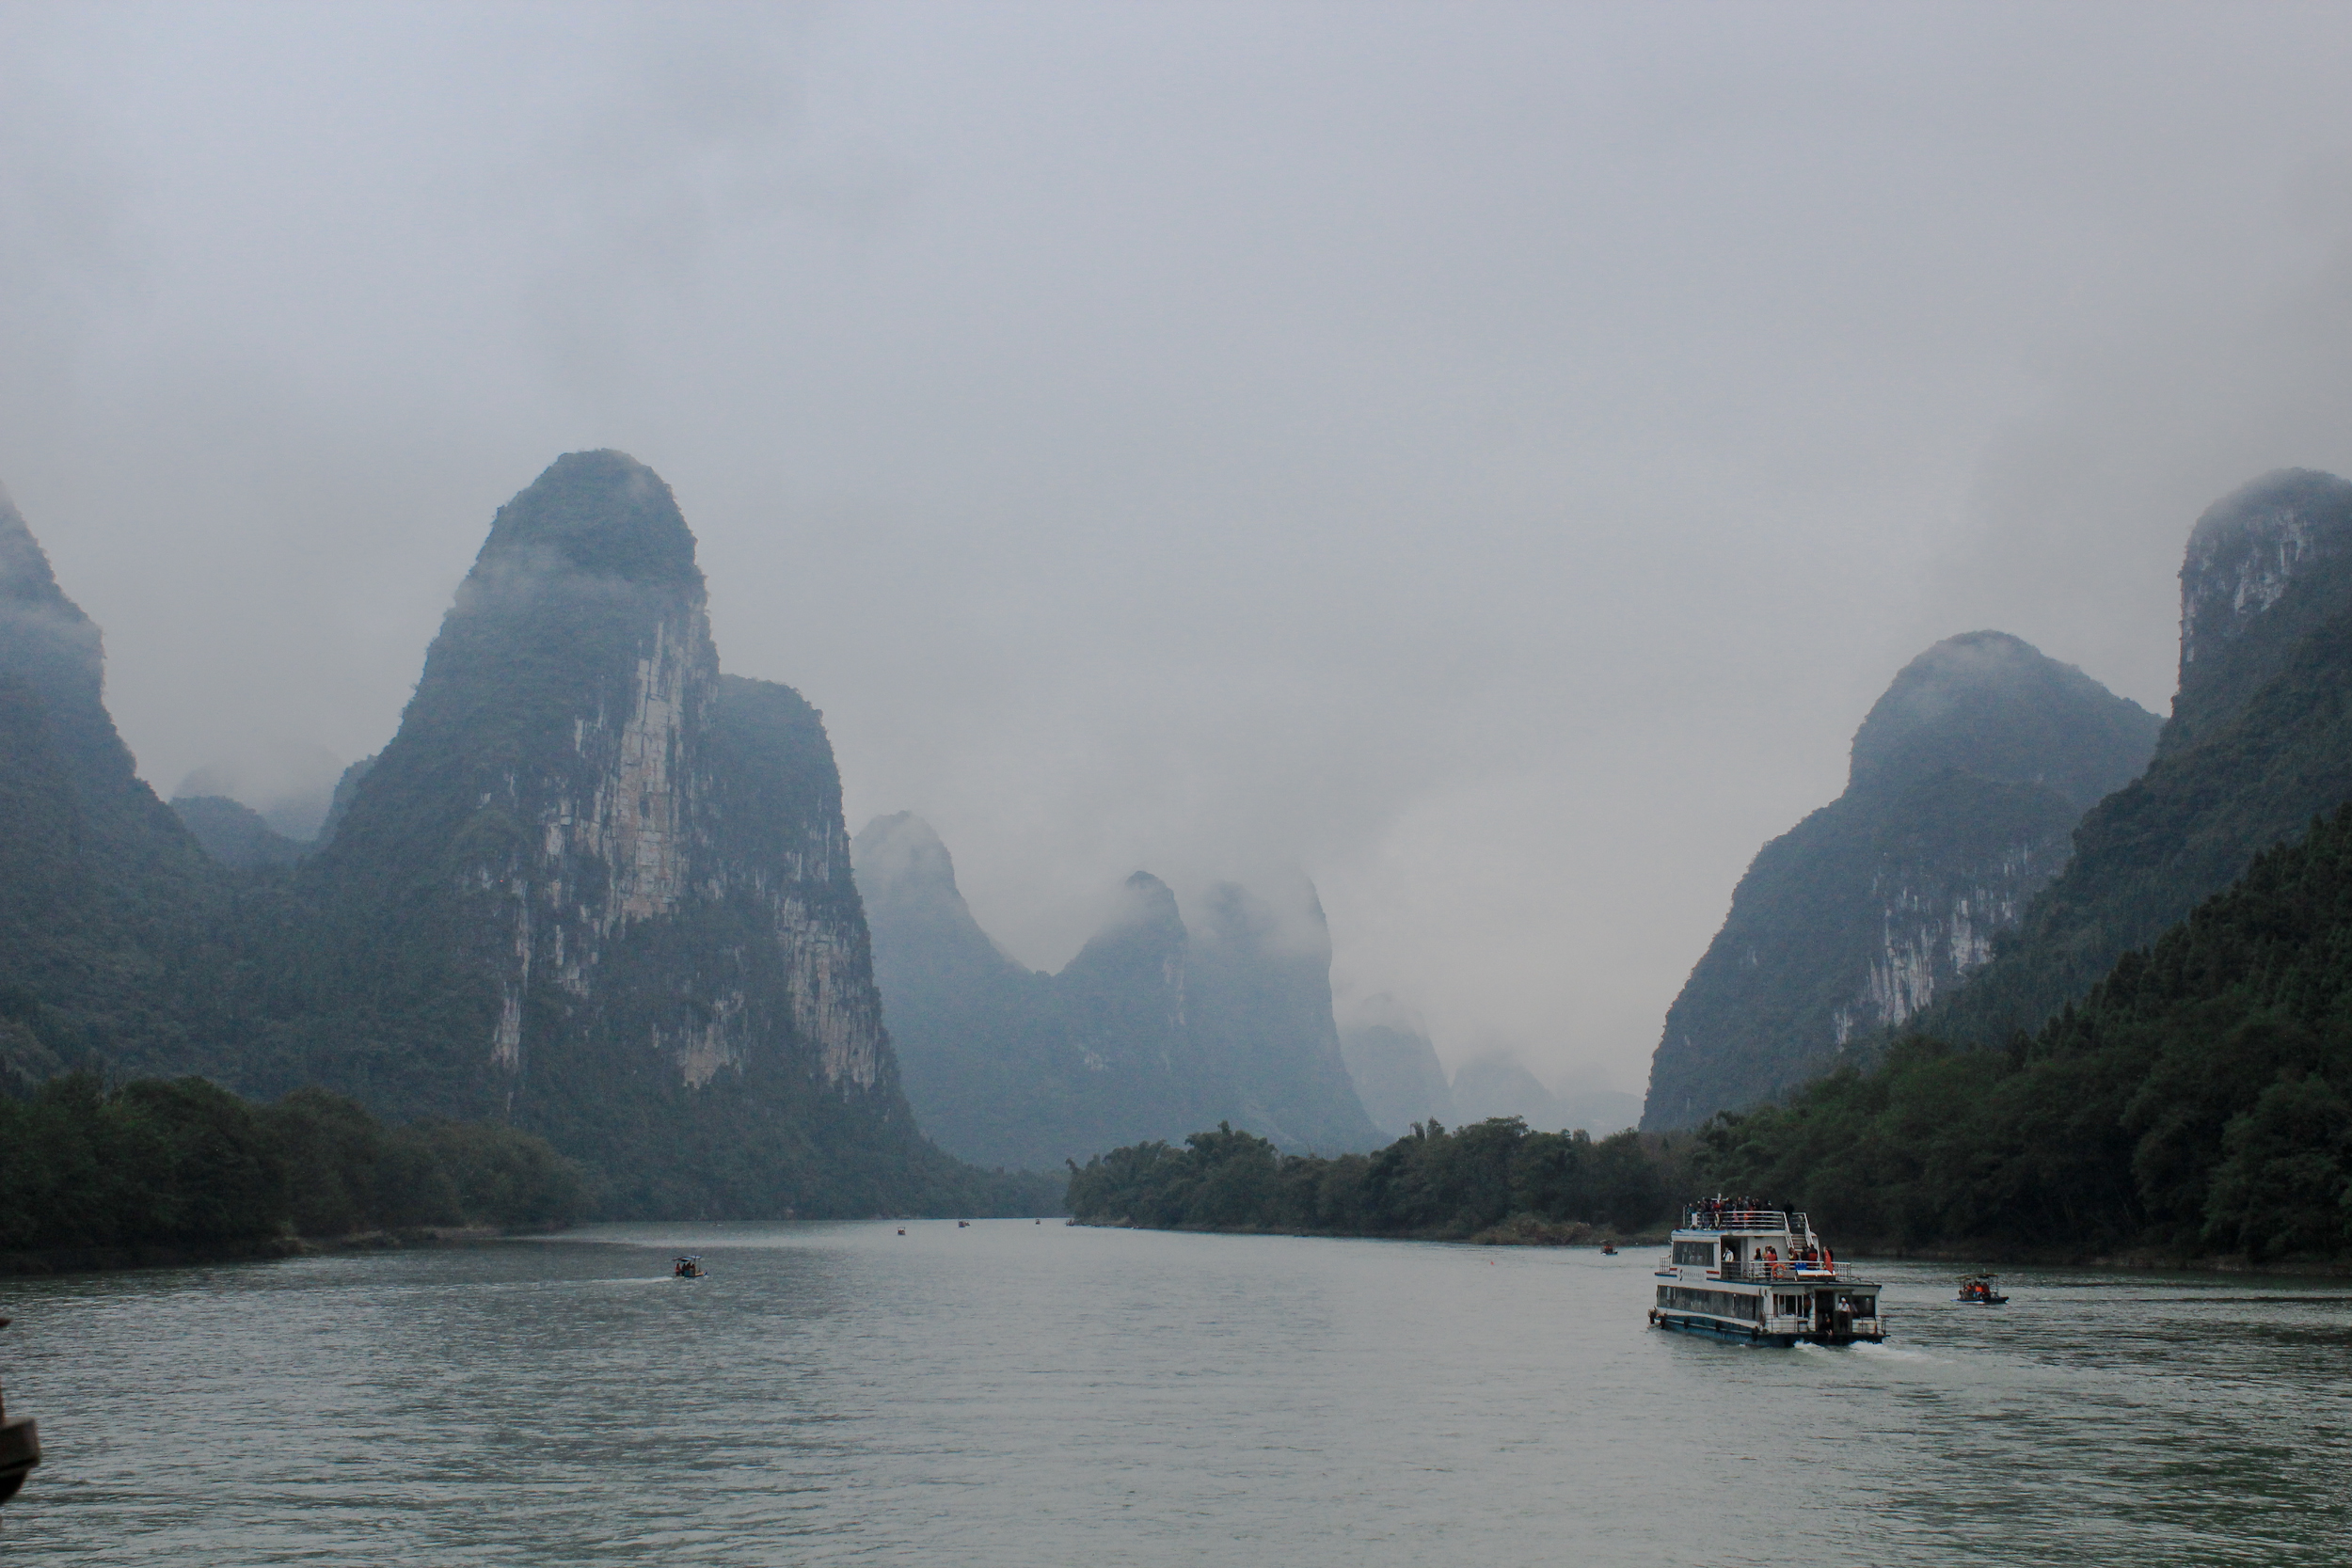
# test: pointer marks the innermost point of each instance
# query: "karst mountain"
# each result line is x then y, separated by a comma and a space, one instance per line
1966, 778
1159, 1026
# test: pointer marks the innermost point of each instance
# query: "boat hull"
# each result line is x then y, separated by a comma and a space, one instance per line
1717, 1328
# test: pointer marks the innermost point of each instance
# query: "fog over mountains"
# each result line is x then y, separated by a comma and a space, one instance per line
1492, 459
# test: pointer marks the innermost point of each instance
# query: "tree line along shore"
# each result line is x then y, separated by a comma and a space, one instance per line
162, 1171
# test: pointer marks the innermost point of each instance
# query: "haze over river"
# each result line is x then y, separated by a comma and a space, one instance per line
1025, 1394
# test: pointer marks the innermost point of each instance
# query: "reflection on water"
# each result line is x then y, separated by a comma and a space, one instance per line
1025, 1394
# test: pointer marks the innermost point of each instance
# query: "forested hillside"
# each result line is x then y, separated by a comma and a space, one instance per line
2198, 1099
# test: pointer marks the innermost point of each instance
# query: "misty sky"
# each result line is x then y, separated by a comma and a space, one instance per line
1487, 457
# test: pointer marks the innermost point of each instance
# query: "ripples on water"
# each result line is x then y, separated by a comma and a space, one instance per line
1025, 1394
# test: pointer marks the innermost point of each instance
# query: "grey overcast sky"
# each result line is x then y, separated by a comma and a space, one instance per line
1487, 457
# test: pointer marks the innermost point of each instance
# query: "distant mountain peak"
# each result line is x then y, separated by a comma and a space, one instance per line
602, 513
899, 856
1996, 707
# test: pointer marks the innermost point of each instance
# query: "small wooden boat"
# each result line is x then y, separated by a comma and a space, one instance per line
690, 1268
1977, 1290
20, 1448
1608, 1249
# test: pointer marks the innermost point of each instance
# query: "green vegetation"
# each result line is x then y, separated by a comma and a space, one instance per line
185, 1162
1494, 1181
2197, 1101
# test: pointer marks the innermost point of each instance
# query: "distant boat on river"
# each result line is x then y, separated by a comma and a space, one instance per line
1977, 1290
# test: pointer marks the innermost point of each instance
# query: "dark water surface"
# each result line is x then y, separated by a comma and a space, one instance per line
1023, 1394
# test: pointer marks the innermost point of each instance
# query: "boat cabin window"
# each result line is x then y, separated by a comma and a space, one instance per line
1861, 1306
1700, 1252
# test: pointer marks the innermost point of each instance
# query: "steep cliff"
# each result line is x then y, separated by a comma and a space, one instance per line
2260, 743
594, 886
1151, 1031
1965, 779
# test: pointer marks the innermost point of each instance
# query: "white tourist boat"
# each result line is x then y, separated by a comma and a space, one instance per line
1760, 1276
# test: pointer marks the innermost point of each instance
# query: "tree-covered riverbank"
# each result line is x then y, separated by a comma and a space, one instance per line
1495, 1181
159, 1170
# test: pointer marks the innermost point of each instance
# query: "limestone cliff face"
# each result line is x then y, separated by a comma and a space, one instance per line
2248, 545
633, 869
2237, 620
1938, 914
1967, 778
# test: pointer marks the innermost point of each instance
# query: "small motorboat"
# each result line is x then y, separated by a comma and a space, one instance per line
1977, 1290
963, 1225
1608, 1249
688, 1268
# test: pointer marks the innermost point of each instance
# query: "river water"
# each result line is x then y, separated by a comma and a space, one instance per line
1041, 1395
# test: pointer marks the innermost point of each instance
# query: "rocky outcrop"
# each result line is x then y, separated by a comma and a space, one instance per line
1967, 778
2238, 624
1157, 1028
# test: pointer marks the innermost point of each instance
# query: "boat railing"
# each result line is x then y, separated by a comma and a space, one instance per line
1789, 1220
1787, 1269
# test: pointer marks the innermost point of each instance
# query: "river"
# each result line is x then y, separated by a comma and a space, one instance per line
1041, 1395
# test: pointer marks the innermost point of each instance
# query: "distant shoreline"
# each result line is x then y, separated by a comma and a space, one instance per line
261, 1250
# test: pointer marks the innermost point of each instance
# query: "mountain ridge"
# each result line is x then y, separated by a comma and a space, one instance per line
1156, 1027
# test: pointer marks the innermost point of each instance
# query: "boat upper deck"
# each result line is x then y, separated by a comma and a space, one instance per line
1715, 1219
